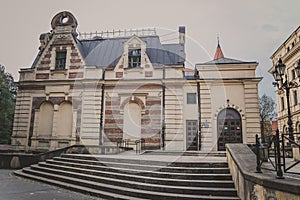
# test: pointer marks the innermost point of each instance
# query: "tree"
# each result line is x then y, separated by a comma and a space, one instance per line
8, 92
266, 111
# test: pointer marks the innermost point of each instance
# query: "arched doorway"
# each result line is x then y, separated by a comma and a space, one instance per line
65, 119
45, 119
229, 128
132, 121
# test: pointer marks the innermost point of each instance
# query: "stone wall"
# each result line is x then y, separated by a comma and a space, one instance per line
260, 186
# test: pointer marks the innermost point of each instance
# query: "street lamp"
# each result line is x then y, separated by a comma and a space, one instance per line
284, 84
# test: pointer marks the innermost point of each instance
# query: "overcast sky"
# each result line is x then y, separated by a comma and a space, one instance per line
249, 30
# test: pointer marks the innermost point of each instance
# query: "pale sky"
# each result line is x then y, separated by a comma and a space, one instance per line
249, 30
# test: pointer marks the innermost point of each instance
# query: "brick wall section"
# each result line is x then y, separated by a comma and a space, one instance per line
42, 68
113, 122
75, 67
119, 74
76, 75
151, 123
148, 74
150, 120
42, 76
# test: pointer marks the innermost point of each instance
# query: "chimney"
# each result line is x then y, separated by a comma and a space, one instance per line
181, 34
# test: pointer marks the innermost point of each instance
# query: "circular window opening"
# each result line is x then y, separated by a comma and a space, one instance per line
64, 19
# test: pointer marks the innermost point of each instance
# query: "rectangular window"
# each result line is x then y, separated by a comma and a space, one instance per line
191, 98
60, 60
293, 74
282, 103
295, 98
134, 58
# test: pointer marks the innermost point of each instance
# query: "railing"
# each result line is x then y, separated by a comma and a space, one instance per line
290, 144
264, 152
126, 143
117, 33
275, 151
139, 145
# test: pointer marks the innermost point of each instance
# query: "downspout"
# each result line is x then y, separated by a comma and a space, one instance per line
102, 109
163, 134
197, 77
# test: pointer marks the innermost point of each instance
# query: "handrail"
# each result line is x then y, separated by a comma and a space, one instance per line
282, 145
260, 147
290, 143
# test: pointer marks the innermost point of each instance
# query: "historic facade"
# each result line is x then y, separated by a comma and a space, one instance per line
105, 89
289, 53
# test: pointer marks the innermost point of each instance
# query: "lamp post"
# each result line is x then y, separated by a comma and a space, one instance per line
283, 84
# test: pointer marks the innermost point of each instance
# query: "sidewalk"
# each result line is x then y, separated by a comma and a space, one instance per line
16, 188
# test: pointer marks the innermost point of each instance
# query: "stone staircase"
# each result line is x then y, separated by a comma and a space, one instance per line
119, 178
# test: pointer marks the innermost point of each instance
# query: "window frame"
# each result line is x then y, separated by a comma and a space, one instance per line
190, 95
295, 96
134, 61
60, 60
282, 103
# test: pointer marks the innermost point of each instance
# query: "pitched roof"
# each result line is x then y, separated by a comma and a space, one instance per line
219, 53
225, 61
106, 52
219, 58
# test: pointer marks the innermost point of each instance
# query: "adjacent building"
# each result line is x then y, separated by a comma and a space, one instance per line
129, 85
289, 53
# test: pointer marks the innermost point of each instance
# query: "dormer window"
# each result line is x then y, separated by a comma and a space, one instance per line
134, 58
60, 60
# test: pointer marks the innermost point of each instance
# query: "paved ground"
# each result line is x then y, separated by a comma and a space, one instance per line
16, 188
293, 172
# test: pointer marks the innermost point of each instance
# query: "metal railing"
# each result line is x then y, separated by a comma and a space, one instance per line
276, 151
126, 143
290, 144
117, 33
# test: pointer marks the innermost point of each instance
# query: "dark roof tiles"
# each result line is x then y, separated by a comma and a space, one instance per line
106, 52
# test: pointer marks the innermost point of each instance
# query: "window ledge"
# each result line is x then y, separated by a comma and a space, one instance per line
59, 71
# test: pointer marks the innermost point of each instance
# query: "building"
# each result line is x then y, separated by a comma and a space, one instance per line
128, 85
289, 53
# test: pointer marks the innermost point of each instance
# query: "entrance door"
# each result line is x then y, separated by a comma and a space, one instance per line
229, 128
191, 135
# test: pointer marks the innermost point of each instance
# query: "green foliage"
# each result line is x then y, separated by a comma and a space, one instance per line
8, 92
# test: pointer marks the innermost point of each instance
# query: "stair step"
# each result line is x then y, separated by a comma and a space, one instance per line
136, 177
74, 187
219, 170
146, 162
143, 186
143, 178
140, 193
173, 175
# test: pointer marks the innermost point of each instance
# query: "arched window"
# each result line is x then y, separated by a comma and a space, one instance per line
65, 119
45, 119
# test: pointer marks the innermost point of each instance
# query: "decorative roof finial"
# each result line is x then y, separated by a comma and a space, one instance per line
219, 53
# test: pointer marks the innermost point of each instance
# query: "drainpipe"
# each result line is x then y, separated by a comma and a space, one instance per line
197, 77
102, 109
163, 128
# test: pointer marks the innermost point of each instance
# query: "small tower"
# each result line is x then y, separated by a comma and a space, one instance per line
219, 54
